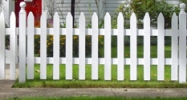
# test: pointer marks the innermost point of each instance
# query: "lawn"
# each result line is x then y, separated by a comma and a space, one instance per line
101, 83
96, 98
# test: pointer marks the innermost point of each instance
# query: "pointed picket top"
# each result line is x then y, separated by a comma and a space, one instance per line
160, 21
107, 16
12, 20
43, 19
174, 16
2, 15
31, 16
95, 20
82, 17
107, 20
56, 16
146, 18
69, 16
133, 19
120, 20
94, 16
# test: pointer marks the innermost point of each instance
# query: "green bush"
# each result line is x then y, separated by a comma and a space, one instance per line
140, 7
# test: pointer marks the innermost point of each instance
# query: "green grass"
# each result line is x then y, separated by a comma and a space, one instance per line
96, 98
140, 51
101, 83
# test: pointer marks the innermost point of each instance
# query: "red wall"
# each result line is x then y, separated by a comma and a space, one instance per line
35, 7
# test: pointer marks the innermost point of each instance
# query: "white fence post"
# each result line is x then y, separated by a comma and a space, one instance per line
147, 44
82, 48
13, 47
2, 46
22, 43
174, 50
95, 47
30, 46
56, 47
120, 53
107, 47
69, 47
182, 44
160, 48
133, 47
43, 46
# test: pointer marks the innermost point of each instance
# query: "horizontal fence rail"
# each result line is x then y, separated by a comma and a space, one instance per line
25, 55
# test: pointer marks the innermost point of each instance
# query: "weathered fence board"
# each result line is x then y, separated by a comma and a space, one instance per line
95, 47
22, 44
30, 47
133, 47
174, 48
182, 45
107, 47
147, 47
160, 48
43, 46
69, 47
120, 52
56, 48
82, 48
2, 46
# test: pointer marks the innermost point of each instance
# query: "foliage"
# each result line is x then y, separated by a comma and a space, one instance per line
140, 7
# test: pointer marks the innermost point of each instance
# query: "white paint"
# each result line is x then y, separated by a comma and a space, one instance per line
147, 47
107, 47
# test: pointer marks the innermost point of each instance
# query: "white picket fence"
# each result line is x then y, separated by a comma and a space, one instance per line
26, 32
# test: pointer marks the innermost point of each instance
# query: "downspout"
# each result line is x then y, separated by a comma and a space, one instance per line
73, 10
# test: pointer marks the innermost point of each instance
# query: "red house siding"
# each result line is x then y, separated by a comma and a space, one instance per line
35, 7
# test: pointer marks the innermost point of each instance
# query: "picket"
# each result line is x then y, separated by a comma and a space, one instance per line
26, 33
174, 48
95, 47
82, 46
147, 47
2, 46
120, 52
13, 47
69, 47
56, 47
107, 47
22, 43
43, 46
30, 46
160, 48
182, 44
133, 47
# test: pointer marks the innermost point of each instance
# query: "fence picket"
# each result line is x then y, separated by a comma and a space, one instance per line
160, 48
147, 59
2, 46
120, 49
43, 46
30, 46
56, 47
82, 46
95, 47
182, 44
107, 47
174, 50
133, 47
13, 47
69, 46
22, 43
